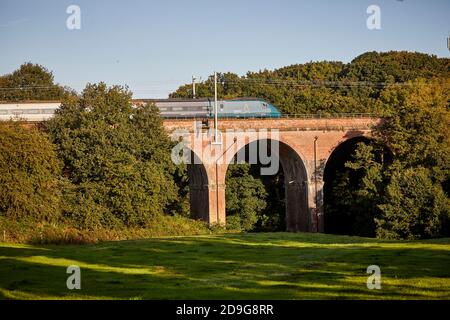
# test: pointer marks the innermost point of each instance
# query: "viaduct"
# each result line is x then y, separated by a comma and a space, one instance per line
303, 149
304, 145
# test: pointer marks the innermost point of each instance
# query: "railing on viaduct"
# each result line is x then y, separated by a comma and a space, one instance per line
287, 116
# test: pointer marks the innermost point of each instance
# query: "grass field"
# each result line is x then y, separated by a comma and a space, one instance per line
237, 266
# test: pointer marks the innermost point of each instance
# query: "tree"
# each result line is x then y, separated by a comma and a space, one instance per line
326, 87
417, 128
415, 207
395, 66
31, 82
29, 171
407, 197
116, 157
356, 192
245, 197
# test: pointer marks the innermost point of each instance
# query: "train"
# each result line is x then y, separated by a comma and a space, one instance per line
204, 108
169, 109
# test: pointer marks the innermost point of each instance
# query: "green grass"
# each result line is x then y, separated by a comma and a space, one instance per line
234, 266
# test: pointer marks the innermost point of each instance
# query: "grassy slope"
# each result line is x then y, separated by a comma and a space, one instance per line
247, 266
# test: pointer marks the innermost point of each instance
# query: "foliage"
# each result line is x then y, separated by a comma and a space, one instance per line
65, 232
273, 216
355, 193
29, 170
326, 87
31, 82
407, 199
245, 198
415, 207
182, 205
417, 130
117, 158
395, 66
417, 202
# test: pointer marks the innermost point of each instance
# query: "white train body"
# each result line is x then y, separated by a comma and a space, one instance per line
33, 111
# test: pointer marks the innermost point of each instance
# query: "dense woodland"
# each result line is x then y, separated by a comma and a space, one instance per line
101, 165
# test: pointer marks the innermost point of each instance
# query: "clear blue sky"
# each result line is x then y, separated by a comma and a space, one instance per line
154, 46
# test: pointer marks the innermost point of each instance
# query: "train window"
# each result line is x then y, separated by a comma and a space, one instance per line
177, 109
221, 106
48, 111
17, 112
4, 112
163, 109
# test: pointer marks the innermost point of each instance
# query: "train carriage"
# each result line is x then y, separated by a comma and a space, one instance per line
28, 111
169, 108
204, 108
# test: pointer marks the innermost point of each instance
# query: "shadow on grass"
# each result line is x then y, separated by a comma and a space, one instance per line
248, 266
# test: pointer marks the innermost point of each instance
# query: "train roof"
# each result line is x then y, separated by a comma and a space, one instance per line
196, 100
135, 100
171, 100
29, 105
29, 101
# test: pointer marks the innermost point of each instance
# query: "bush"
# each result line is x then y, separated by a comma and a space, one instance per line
65, 233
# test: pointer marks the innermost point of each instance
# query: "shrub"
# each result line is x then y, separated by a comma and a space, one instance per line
64, 232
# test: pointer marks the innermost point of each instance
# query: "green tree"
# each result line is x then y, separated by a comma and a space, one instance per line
395, 66
116, 157
326, 87
415, 206
356, 193
245, 197
31, 82
29, 171
417, 128
407, 197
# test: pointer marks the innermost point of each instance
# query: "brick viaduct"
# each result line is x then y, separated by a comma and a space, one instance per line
304, 147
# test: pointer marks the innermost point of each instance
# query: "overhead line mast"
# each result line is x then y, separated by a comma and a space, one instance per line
215, 106
216, 129
193, 87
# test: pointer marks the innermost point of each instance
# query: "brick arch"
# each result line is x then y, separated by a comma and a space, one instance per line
295, 180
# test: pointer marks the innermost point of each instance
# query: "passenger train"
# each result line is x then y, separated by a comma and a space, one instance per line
204, 108
169, 108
